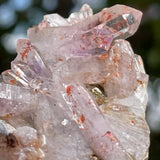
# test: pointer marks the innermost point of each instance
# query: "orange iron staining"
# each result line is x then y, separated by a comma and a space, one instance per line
82, 118
111, 136
69, 88
12, 82
25, 52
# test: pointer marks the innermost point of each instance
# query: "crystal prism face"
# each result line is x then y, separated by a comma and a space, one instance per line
76, 90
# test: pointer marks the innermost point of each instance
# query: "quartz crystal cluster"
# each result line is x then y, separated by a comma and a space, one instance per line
76, 90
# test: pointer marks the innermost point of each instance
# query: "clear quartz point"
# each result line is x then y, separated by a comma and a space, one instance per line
121, 25
85, 12
122, 19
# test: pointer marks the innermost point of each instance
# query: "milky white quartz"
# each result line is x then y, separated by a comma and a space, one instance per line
76, 90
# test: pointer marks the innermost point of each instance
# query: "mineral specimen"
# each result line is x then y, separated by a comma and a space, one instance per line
76, 90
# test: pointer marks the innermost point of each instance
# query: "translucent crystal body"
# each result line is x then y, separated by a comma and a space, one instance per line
76, 90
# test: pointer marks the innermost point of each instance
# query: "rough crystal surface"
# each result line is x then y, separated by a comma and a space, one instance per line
76, 90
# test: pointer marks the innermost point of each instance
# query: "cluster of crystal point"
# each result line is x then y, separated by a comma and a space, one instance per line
76, 90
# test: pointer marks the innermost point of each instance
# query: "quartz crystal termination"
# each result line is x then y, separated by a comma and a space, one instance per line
76, 90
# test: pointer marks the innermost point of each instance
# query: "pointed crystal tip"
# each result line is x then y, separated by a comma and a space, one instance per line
122, 19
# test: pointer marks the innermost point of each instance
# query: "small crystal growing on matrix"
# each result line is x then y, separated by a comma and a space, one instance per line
76, 90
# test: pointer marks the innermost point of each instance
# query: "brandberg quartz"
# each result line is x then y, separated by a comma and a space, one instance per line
76, 90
